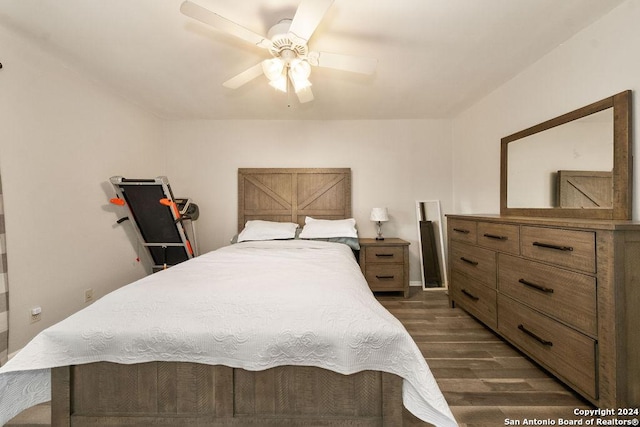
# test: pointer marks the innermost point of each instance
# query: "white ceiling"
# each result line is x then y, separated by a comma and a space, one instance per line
435, 57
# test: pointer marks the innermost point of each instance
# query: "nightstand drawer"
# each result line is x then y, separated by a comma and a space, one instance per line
385, 254
385, 264
385, 277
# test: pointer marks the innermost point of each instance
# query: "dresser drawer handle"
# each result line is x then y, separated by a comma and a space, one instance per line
468, 261
550, 246
470, 295
535, 286
534, 336
385, 277
495, 237
461, 230
384, 255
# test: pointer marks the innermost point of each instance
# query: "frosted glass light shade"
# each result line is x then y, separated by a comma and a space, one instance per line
280, 83
273, 68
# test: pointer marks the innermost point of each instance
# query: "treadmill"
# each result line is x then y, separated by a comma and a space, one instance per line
159, 218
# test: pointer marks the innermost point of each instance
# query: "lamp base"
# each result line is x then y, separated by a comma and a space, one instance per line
379, 231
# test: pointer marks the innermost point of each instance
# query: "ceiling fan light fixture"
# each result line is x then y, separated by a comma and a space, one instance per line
300, 84
273, 68
300, 69
299, 72
287, 43
279, 83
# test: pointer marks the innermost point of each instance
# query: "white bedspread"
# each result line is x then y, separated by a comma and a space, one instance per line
253, 305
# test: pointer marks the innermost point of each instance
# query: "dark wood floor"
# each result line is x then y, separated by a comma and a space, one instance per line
486, 381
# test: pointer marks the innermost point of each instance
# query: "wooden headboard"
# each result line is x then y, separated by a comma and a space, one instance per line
288, 195
584, 189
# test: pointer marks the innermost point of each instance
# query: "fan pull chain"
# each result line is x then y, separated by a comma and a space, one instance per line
288, 88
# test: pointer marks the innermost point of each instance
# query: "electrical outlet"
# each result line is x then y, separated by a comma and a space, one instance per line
88, 295
35, 314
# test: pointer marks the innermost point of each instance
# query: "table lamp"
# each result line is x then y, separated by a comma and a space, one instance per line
379, 215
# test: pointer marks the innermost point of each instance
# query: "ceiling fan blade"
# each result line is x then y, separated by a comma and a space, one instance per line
201, 14
355, 64
305, 95
244, 77
308, 17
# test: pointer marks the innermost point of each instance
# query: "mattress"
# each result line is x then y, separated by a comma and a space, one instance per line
252, 305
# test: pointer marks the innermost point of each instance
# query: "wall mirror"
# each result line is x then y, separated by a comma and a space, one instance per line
577, 165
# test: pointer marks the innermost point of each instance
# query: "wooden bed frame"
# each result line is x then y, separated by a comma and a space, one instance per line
289, 195
190, 394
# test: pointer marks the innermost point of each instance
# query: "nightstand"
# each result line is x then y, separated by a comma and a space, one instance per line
385, 264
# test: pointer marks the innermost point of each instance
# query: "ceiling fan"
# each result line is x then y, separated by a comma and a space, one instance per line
291, 61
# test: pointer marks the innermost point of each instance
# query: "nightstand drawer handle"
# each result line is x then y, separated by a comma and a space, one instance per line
461, 230
385, 277
470, 295
535, 286
384, 255
495, 236
550, 246
468, 261
534, 336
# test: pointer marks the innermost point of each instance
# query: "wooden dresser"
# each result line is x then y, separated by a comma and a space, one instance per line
565, 292
385, 264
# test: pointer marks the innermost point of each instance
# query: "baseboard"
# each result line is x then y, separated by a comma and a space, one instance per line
419, 284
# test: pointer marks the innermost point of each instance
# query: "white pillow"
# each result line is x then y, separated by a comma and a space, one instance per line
267, 230
324, 228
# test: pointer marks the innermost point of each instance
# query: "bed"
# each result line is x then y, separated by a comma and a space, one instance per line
252, 349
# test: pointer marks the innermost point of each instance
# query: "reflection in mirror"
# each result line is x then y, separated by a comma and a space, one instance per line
567, 166
577, 165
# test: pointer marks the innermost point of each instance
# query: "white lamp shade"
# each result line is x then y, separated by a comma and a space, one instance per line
300, 70
273, 68
379, 215
280, 83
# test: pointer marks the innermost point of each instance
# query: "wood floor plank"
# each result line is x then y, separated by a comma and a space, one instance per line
485, 380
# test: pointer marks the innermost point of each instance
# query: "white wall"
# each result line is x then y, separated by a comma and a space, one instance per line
62, 138
393, 163
598, 62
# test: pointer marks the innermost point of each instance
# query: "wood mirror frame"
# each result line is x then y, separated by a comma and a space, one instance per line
622, 163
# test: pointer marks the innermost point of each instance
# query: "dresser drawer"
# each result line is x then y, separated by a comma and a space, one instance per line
568, 353
462, 230
475, 262
475, 298
385, 254
566, 248
385, 277
563, 294
501, 237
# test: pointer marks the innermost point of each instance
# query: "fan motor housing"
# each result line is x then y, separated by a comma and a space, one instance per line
284, 41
